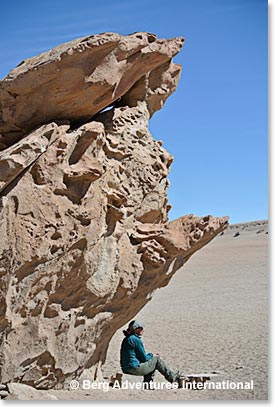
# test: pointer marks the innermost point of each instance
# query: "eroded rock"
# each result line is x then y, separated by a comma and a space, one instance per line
82, 77
84, 211
19, 391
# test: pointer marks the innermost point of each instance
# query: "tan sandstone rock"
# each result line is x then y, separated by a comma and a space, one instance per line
19, 391
81, 77
85, 236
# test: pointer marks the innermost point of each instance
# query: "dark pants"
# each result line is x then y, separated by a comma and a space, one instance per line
148, 369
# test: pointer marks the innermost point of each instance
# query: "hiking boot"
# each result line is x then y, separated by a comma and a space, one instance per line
148, 385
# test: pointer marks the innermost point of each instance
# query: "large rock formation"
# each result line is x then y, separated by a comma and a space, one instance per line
85, 236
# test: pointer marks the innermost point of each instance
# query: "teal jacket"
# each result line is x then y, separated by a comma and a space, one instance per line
132, 352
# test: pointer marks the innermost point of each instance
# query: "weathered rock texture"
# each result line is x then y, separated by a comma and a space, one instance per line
78, 79
85, 236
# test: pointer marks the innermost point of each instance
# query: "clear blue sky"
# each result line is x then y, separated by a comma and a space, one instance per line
215, 124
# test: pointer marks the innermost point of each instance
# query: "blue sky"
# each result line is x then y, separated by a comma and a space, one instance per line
215, 124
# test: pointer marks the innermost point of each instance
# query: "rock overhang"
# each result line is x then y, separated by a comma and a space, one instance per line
80, 78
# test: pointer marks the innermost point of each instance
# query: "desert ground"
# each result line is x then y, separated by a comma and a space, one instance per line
212, 318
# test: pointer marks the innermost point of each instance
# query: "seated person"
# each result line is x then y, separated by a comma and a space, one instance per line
135, 361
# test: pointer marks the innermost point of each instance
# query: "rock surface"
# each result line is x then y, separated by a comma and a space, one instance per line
84, 211
82, 77
19, 391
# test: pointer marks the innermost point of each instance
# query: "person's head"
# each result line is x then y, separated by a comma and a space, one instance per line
136, 327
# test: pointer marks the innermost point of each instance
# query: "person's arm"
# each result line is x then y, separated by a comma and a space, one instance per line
141, 354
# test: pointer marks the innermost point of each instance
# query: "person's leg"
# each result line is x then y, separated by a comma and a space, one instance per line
147, 369
169, 374
147, 378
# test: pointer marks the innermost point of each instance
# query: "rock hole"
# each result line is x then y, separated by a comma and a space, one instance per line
56, 235
54, 249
